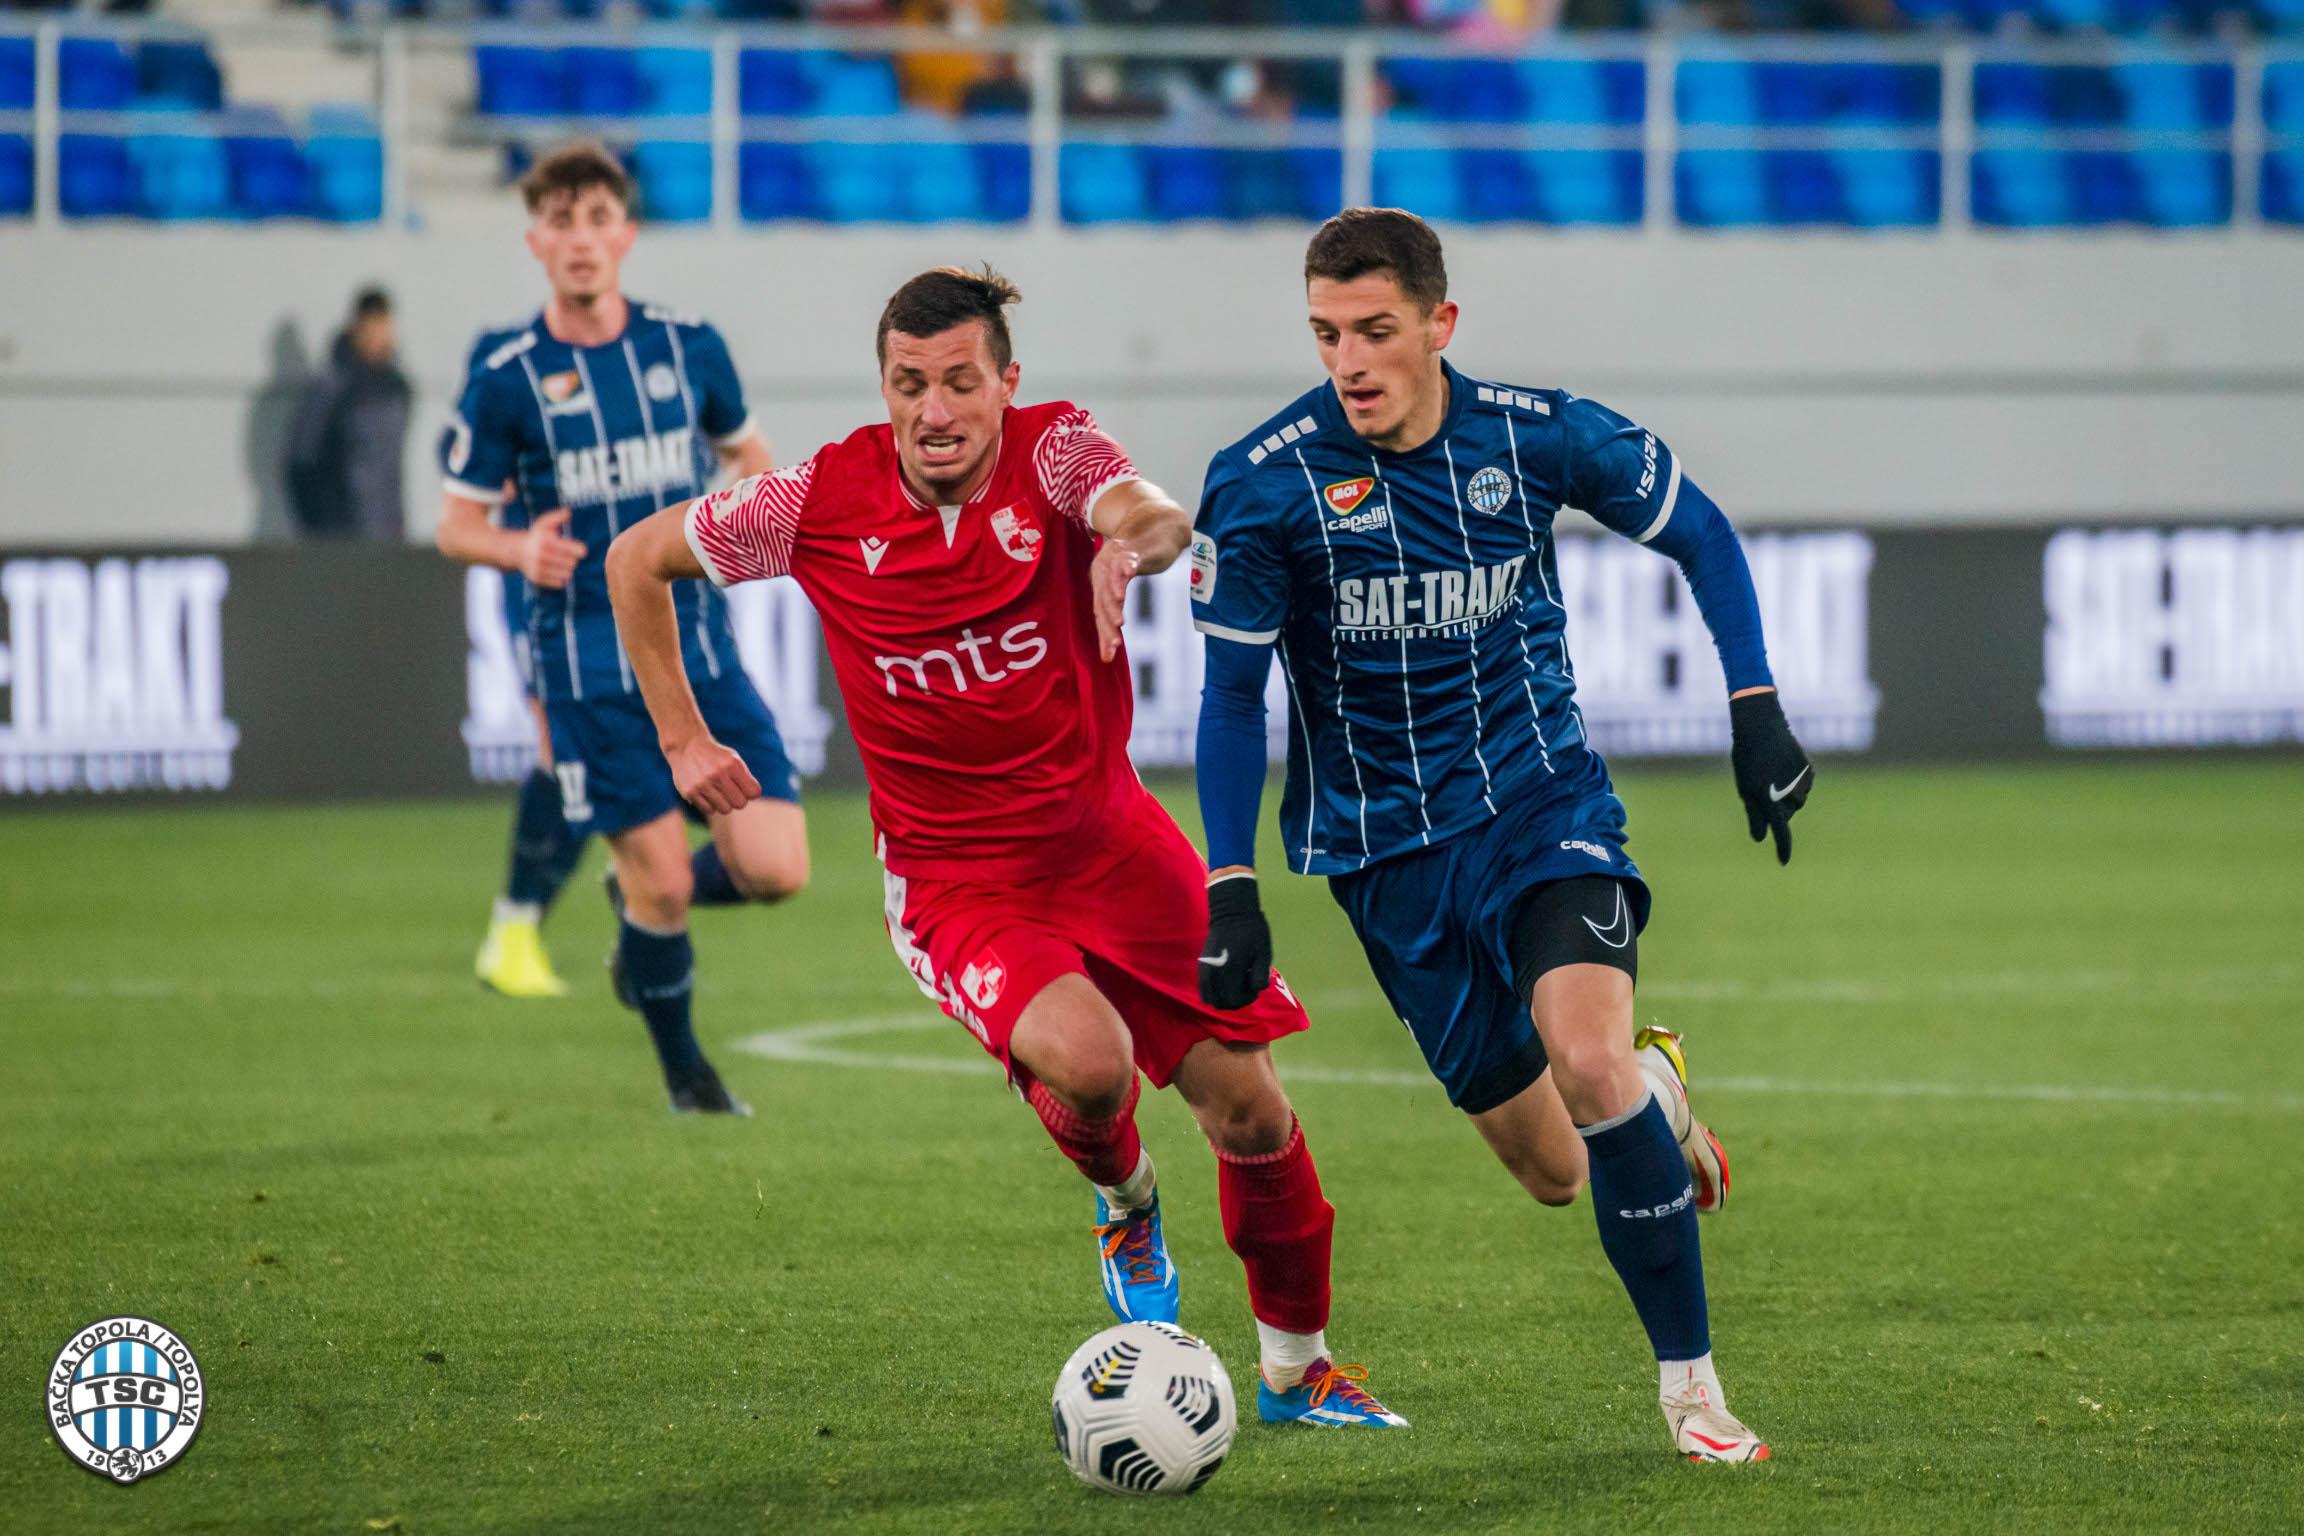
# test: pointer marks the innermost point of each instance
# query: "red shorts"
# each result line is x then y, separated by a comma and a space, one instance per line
1132, 921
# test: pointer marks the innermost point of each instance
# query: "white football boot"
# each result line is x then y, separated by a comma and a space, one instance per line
1657, 1051
1704, 1430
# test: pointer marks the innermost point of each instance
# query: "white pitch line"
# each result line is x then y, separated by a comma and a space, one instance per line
807, 1043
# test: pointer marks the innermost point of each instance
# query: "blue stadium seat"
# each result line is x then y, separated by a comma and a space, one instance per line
1723, 91
92, 177
1102, 184
1282, 183
15, 174
680, 10
772, 182
1423, 181
16, 73
1585, 186
674, 82
521, 82
95, 74
2283, 192
1584, 90
344, 164
2284, 97
2281, 16
2175, 93
1885, 95
1421, 88
1715, 188
1486, 91
675, 181
1004, 177
1802, 188
1187, 183
940, 180
267, 170
1794, 95
2019, 188
180, 75
856, 183
2180, 189
772, 83
2103, 188
180, 175
856, 88
1495, 183
602, 82
2069, 15
1887, 188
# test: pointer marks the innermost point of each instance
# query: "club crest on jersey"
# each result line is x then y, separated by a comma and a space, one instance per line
1489, 490
1344, 495
660, 381
1012, 527
564, 393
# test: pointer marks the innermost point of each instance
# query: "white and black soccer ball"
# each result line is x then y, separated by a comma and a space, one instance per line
1144, 1408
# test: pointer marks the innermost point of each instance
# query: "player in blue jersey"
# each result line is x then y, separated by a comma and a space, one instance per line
1390, 535
598, 413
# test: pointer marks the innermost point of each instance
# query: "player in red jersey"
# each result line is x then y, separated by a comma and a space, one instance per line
971, 561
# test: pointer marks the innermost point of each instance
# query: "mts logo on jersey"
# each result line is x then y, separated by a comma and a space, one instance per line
1424, 605
1020, 651
630, 466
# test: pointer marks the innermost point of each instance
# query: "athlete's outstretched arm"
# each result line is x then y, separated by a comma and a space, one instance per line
749, 455
1144, 531
1228, 766
1773, 775
642, 565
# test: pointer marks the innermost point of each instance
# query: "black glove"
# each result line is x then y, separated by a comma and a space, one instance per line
1236, 962
1772, 774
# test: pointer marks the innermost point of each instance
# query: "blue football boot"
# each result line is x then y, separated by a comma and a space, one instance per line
1139, 1277
1329, 1397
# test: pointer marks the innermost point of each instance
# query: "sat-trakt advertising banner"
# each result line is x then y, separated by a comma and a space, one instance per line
325, 670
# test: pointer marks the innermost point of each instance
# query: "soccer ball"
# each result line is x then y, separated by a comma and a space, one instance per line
1144, 1408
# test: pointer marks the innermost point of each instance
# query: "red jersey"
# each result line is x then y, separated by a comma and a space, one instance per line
964, 638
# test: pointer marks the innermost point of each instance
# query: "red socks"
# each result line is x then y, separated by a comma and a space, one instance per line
1276, 1219
1105, 1150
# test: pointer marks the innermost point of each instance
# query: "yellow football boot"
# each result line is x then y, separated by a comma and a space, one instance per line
512, 961
1657, 1051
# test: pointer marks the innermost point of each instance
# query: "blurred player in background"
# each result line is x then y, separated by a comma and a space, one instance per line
971, 564
594, 415
1389, 534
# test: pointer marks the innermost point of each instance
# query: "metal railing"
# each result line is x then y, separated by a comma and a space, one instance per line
1362, 131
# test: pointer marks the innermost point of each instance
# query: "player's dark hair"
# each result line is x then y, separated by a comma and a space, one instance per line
575, 168
943, 297
1359, 241
371, 301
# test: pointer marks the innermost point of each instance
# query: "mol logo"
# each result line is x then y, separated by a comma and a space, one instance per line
1022, 649
114, 675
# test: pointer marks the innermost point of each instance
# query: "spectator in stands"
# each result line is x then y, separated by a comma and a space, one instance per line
942, 80
351, 433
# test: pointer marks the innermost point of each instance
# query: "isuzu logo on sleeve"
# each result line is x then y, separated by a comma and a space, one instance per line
125, 1398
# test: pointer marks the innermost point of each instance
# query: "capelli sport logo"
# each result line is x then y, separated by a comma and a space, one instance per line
125, 1398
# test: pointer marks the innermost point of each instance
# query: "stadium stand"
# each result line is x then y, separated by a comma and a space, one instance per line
1764, 132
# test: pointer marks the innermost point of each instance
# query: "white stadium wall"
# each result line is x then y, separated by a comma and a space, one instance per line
1820, 381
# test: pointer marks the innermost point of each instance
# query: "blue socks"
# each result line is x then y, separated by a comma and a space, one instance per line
660, 968
1647, 1209
545, 849
714, 886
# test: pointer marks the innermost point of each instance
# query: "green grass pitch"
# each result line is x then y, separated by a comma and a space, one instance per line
2007, 1063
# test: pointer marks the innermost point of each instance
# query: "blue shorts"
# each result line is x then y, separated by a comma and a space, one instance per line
1437, 924
613, 776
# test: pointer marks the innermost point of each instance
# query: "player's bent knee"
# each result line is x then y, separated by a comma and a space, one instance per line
1249, 1127
1549, 1190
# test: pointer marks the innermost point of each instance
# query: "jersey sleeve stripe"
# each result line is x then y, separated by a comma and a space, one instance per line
1096, 494
1244, 636
744, 429
1076, 462
1664, 514
745, 533
471, 492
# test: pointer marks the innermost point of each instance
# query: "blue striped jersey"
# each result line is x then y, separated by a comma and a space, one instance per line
1415, 602
613, 433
